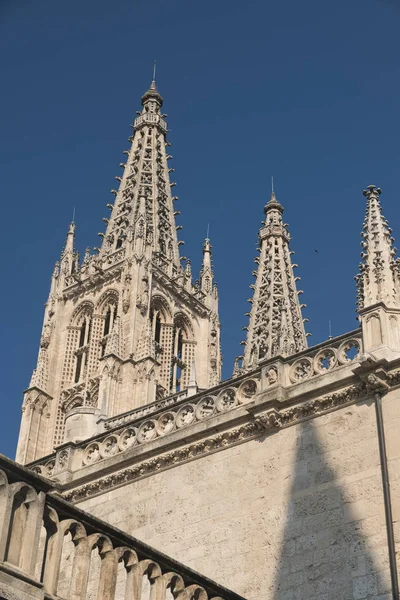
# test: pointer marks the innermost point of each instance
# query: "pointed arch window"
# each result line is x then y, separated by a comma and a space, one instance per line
177, 360
155, 319
83, 345
107, 322
111, 313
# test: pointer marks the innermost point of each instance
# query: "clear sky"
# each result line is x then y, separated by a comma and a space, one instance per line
305, 91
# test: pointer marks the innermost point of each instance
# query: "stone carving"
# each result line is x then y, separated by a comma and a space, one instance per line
127, 438
248, 389
272, 376
277, 419
62, 459
349, 346
181, 455
146, 432
185, 416
325, 360
110, 446
301, 369
205, 408
227, 400
92, 454
49, 468
165, 423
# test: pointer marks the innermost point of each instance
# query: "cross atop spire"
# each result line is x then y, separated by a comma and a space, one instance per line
276, 325
378, 279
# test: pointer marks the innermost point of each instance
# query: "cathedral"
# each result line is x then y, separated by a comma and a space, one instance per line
141, 475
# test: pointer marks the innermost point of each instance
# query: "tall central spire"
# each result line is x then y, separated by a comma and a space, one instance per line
132, 326
276, 325
143, 207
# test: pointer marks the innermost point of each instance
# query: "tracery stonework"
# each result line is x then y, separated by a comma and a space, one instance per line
257, 480
130, 311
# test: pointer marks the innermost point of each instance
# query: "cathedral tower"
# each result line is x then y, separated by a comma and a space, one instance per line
126, 326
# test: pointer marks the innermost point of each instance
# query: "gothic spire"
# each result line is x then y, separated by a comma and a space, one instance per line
143, 209
206, 273
69, 243
69, 262
378, 279
276, 326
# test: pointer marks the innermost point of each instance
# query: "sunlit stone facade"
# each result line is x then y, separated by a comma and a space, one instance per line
280, 483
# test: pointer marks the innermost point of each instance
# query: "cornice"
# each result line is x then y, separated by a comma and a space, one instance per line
258, 424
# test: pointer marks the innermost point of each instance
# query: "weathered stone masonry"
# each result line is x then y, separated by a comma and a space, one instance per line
282, 483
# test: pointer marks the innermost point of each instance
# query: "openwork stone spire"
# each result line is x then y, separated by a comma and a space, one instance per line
123, 327
276, 326
378, 279
143, 207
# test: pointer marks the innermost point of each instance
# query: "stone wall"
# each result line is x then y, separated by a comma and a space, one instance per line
49, 549
296, 514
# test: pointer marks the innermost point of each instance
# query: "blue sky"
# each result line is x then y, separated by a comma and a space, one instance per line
304, 91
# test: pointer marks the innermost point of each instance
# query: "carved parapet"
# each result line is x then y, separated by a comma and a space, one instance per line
34, 550
324, 358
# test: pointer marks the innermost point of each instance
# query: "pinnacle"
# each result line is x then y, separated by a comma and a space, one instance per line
152, 93
378, 278
372, 190
273, 203
276, 326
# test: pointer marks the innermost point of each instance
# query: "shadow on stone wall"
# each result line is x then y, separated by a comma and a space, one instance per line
325, 552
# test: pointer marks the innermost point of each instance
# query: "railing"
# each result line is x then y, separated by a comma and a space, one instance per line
142, 411
161, 418
325, 357
164, 417
151, 118
64, 553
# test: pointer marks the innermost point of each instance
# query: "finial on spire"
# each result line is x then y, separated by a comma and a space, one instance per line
372, 190
73, 215
273, 202
208, 231
152, 93
272, 184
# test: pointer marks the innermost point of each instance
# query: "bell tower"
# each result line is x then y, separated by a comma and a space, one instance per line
126, 326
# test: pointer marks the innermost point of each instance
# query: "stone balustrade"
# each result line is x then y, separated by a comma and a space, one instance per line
51, 550
325, 357
139, 431
152, 118
145, 410
179, 412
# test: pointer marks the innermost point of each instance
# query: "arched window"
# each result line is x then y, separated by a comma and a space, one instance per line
82, 334
178, 366
110, 310
107, 322
85, 326
155, 318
